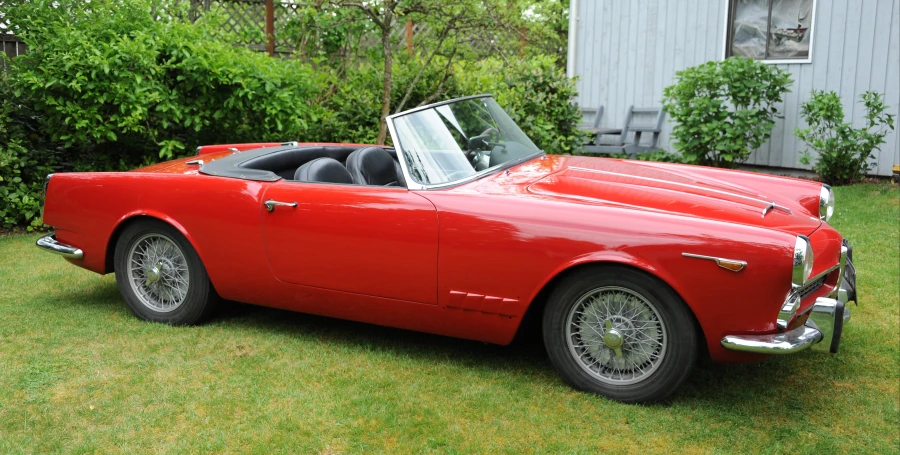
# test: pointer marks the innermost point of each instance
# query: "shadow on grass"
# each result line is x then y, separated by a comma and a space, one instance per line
100, 296
710, 384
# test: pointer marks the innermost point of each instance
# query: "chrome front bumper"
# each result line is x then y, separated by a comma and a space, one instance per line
822, 331
50, 244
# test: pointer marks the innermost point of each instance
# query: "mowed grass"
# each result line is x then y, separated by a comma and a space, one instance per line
79, 374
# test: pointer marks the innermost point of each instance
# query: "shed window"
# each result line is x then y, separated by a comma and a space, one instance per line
770, 29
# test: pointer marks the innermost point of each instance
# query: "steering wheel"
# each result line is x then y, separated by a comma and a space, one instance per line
490, 132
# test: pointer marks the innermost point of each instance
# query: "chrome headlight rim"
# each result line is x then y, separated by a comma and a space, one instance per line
826, 202
802, 262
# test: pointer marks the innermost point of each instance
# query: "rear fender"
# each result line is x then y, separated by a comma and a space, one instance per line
135, 216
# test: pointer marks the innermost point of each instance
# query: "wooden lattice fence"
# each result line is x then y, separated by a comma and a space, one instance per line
264, 25
252, 21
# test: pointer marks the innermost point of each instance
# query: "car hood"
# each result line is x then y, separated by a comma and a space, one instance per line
669, 188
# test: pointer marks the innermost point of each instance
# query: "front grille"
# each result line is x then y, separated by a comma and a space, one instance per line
811, 287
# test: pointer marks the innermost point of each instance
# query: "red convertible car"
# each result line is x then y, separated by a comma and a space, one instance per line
463, 229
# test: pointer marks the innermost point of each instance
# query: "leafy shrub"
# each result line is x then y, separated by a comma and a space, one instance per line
660, 156
22, 171
124, 74
724, 110
843, 152
536, 94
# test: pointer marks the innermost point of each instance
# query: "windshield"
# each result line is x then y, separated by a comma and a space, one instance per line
454, 141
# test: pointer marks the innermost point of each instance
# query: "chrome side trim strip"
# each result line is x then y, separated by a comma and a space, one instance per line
50, 244
741, 264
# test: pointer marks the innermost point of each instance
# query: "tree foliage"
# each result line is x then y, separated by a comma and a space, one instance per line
536, 94
843, 153
502, 25
724, 110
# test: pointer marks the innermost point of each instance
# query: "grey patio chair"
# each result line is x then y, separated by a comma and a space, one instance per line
618, 145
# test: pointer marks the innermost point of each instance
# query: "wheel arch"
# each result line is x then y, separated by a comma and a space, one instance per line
137, 217
533, 315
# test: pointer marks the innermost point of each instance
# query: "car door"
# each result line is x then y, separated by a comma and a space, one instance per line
372, 240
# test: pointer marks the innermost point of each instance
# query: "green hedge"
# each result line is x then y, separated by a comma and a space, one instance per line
23, 163
113, 74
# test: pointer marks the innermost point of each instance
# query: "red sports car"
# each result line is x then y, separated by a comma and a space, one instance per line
464, 229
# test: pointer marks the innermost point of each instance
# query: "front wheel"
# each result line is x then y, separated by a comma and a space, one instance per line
620, 333
160, 275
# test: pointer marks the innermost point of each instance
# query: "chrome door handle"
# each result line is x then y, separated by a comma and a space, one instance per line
271, 204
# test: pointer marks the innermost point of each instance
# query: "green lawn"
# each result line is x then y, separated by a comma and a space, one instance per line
78, 373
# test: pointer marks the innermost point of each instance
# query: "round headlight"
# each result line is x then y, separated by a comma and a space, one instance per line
826, 203
803, 261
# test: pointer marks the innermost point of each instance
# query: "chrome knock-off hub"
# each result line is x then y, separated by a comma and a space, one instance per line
154, 274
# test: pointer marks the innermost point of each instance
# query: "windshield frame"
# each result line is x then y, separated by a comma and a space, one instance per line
401, 154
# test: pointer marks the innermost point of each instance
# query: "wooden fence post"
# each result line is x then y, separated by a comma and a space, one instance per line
270, 27
409, 37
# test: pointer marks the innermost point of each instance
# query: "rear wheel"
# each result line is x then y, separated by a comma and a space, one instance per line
160, 275
620, 333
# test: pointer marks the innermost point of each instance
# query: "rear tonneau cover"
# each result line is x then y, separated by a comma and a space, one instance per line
207, 149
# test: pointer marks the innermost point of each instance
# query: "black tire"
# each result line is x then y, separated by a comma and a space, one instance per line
193, 306
675, 334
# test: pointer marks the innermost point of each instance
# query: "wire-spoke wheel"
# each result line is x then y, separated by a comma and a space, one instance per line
616, 335
160, 275
619, 332
158, 272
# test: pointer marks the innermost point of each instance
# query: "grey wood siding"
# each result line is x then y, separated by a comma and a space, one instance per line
626, 52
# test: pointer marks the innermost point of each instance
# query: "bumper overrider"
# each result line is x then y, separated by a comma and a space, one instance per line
821, 332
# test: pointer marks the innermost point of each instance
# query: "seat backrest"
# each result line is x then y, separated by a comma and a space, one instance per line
650, 118
372, 166
285, 162
325, 170
598, 115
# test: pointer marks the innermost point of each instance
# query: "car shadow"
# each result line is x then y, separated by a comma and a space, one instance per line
709, 385
521, 353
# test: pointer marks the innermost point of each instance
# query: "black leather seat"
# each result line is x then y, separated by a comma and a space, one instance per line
327, 170
373, 166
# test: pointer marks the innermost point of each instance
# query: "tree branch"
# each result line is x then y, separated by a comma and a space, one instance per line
421, 71
366, 9
440, 86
